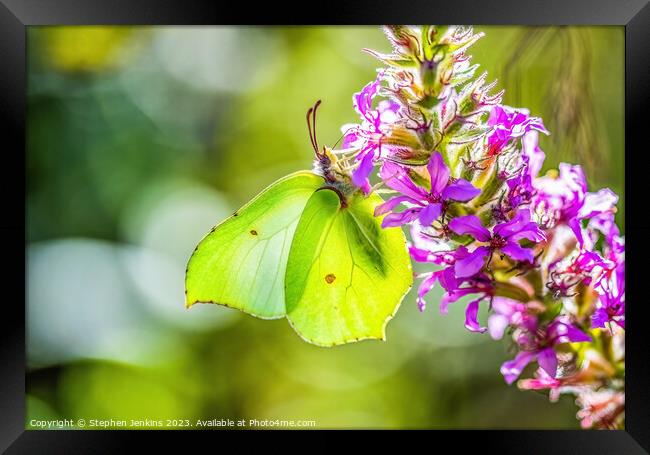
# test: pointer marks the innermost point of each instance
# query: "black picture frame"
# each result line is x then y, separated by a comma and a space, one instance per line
15, 15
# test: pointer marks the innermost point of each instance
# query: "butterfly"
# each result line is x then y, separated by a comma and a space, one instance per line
310, 249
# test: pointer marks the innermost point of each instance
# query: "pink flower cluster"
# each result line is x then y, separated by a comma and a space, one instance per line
539, 253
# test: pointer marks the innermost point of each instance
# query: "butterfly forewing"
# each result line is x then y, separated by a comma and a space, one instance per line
241, 263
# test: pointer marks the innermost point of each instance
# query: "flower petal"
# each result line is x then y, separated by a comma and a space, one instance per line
398, 219
350, 137
542, 381
361, 173
398, 179
531, 150
599, 318
531, 232
470, 224
561, 331
520, 219
362, 100
429, 214
595, 203
471, 317
576, 227
420, 254
448, 279
471, 264
461, 190
575, 335
517, 252
453, 296
392, 203
424, 288
513, 368
520, 227
439, 173
497, 324
548, 361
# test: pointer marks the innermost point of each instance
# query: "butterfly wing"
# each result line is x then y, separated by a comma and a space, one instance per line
241, 262
346, 276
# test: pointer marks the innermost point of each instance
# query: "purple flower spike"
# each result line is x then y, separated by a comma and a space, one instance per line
541, 252
427, 205
565, 199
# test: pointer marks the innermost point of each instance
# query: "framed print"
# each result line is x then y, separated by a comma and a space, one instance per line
239, 220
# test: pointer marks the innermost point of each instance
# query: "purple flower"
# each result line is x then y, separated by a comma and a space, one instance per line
509, 124
612, 301
587, 267
368, 135
575, 383
565, 199
600, 408
427, 205
539, 345
479, 284
506, 312
520, 190
426, 248
520, 186
541, 382
428, 244
504, 237
447, 279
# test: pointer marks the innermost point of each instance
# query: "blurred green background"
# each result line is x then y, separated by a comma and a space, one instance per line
141, 139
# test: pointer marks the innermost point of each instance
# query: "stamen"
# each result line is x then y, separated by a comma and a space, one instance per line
342, 136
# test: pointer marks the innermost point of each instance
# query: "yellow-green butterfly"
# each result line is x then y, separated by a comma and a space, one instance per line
307, 248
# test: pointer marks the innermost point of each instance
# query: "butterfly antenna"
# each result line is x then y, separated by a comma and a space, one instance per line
309, 129
311, 126
314, 122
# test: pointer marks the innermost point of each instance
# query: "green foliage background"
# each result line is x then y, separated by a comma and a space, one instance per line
140, 139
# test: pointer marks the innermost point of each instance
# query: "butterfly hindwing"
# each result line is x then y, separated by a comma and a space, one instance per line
346, 276
241, 262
